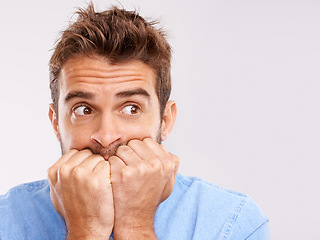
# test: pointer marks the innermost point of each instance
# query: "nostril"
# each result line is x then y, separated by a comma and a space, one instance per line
107, 141
96, 141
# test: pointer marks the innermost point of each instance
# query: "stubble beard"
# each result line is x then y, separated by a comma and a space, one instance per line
104, 152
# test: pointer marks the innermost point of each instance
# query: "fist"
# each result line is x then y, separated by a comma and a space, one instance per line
81, 192
142, 176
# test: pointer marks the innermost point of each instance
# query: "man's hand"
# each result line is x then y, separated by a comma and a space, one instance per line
142, 176
81, 192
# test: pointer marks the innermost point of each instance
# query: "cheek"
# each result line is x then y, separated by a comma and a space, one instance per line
137, 131
141, 130
74, 137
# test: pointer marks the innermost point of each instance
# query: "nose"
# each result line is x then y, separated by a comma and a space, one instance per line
107, 132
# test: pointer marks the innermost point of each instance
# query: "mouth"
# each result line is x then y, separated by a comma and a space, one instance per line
104, 152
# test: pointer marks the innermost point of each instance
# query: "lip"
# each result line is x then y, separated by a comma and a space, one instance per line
105, 153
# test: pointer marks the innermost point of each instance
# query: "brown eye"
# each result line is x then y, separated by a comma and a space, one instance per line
131, 110
82, 110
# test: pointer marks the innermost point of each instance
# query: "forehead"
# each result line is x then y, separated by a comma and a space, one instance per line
96, 72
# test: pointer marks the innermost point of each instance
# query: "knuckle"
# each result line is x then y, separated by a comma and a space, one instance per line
156, 165
177, 161
169, 166
142, 170
51, 173
127, 175
64, 170
78, 172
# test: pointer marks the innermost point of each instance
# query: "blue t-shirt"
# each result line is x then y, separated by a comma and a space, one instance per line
195, 210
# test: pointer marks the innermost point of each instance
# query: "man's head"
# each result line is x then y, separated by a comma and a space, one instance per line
110, 82
118, 36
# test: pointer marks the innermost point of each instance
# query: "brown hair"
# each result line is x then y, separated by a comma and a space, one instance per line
118, 36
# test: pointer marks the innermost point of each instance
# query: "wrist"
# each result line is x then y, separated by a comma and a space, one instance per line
135, 233
88, 234
87, 237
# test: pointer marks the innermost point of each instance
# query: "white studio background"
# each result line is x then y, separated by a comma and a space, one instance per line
246, 79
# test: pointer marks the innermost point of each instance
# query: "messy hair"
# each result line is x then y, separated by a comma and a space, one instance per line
118, 36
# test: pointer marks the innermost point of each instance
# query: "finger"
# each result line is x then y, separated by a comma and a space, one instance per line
64, 158
102, 170
116, 163
158, 149
88, 164
169, 161
164, 148
52, 171
128, 156
116, 167
176, 161
143, 151
172, 177
75, 160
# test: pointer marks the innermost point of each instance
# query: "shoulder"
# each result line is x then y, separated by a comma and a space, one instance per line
26, 210
198, 188
24, 198
30, 186
242, 206
203, 205
25, 190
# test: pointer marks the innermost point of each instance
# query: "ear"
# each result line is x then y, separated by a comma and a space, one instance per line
53, 119
169, 118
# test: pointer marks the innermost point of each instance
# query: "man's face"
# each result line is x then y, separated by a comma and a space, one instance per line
102, 106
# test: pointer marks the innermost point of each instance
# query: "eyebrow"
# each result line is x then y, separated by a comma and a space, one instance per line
123, 94
129, 93
79, 94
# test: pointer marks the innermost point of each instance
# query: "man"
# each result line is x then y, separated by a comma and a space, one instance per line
110, 85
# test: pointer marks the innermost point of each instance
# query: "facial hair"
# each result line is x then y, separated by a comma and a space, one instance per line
105, 152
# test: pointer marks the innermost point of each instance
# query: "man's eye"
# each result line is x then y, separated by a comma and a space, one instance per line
82, 110
131, 110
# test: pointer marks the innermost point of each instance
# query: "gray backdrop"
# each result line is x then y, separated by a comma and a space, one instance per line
246, 81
